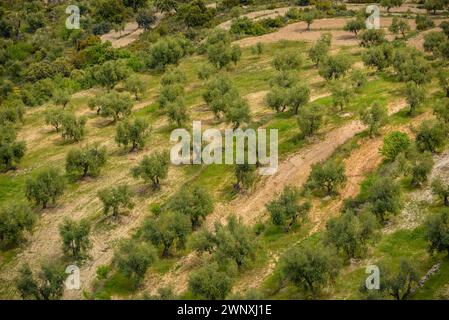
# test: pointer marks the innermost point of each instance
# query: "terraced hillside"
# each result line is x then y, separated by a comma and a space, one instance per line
86, 119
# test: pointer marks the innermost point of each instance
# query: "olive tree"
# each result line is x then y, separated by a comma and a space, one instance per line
110, 73
437, 232
245, 175
415, 96
86, 161
11, 150
441, 190
210, 283
220, 93
194, 202
132, 133
287, 60
135, 85
55, 117
309, 267
166, 231
391, 4
374, 118
61, 97
73, 128
238, 112
381, 196
15, 220
349, 233
285, 210
399, 26
48, 285
177, 111
133, 258
443, 78
431, 136
334, 67
75, 237
327, 176
310, 119
152, 168
298, 96
112, 104
400, 284
372, 37
355, 26
47, 186
116, 199
319, 52
232, 242
341, 94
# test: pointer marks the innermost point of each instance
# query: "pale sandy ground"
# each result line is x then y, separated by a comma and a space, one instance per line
257, 15
127, 36
297, 32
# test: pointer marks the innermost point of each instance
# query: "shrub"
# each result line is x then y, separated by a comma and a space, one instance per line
394, 143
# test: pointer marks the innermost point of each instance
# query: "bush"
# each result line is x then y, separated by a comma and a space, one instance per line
394, 143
